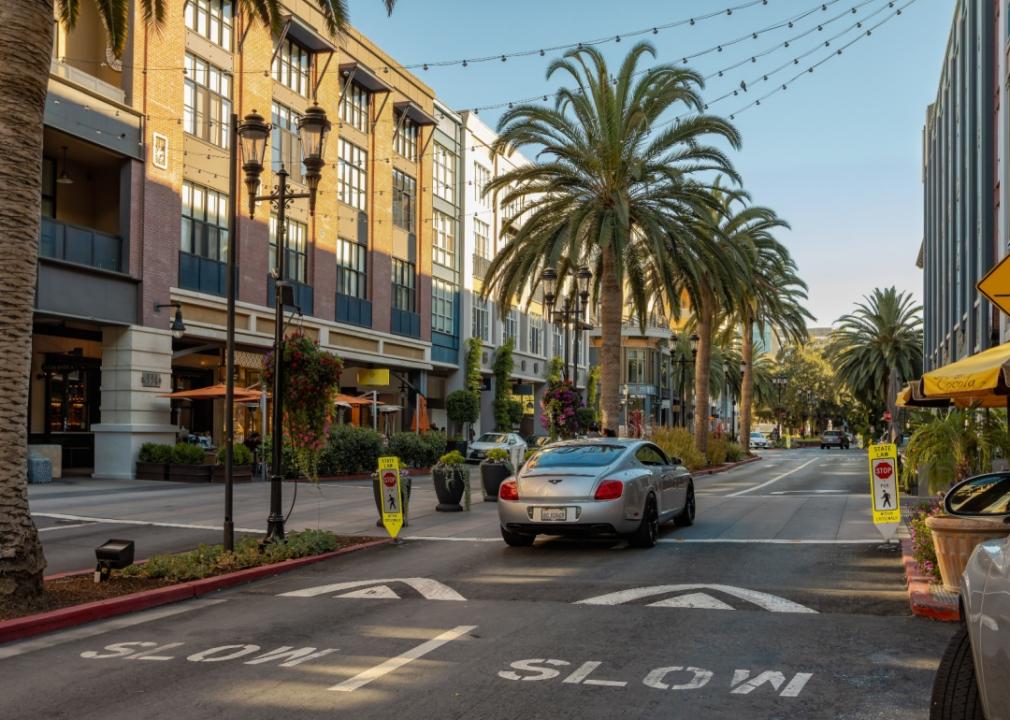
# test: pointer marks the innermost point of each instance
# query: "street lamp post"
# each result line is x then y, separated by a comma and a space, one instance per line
253, 132
682, 361
573, 310
780, 382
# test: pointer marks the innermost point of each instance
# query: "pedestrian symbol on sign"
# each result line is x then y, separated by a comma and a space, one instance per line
884, 489
391, 494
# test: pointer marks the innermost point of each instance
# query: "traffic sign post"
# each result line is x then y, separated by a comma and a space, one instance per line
390, 495
884, 489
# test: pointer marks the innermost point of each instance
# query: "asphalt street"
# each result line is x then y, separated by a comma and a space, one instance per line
778, 603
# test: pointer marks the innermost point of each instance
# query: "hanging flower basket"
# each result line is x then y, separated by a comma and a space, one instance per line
310, 382
561, 405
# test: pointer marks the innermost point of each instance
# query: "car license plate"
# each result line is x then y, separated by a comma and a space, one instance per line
553, 514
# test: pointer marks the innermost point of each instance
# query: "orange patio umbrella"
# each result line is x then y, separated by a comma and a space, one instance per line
420, 416
215, 392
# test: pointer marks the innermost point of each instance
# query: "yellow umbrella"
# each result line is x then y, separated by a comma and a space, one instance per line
979, 380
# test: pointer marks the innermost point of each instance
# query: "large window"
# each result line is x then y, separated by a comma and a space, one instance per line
536, 335
404, 195
352, 175
212, 19
482, 238
636, 366
204, 222
296, 266
445, 174
404, 297
285, 147
443, 247
481, 327
206, 111
511, 327
353, 108
352, 263
481, 177
443, 307
405, 138
291, 67
557, 341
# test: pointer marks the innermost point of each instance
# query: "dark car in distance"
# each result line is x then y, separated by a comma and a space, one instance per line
834, 438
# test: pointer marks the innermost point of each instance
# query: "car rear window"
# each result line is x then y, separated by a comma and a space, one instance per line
577, 456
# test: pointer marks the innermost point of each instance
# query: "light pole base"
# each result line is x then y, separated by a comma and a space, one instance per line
229, 535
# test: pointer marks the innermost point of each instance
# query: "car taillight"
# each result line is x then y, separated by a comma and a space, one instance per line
609, 490
508, 490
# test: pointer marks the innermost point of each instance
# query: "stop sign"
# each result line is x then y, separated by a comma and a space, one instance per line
883, 470
389, 479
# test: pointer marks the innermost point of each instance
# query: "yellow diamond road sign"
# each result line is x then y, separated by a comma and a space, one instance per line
996, 285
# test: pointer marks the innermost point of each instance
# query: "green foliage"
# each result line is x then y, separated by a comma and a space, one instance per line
734, 452
956, 445
474, 350
350, 450
679, 443
586, 417
555, 368
516, 412
593, 394
498, 455
417, 450
503, 364
922, 540
155, 453
718, 450
812, 392
186, 454
289, 465
209, 560
240, 455
462, 407
453, 458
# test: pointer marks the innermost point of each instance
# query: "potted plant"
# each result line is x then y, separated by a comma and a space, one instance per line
463, 408
494, 470
241, 465
452, 480
153, 460
189, 464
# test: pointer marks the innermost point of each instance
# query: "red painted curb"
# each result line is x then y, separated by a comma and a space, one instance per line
920, 599
724, 468
30, 625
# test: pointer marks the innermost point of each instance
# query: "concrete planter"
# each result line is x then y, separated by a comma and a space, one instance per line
492, 475
239, 473
190, 473
450, 483
151, 471
955, 538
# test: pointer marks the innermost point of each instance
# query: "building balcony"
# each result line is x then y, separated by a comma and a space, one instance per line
354, 311
480, 266
302, 296
80, 245
87, 81
404, 322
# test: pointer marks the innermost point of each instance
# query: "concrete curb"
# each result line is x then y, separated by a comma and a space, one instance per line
30, 625
921, 600
728, 466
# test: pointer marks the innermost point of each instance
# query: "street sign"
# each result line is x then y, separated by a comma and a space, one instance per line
378, 377
389, 494
996, 285
884, 489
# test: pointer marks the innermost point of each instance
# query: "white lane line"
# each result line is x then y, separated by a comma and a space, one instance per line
773, 480
362, 679
114, 521
687, 541
434, 538
65, 527
60, 638
804, 492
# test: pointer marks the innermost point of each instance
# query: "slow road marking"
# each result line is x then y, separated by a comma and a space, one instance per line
773, 480
427, 588
771, 603
362, 679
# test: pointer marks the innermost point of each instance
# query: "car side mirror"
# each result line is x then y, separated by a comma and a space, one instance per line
980, 496
676, 461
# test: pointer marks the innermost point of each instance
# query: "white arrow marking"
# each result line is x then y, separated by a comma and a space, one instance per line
378, 592
362, 679
693, 600
772, 603
427, 588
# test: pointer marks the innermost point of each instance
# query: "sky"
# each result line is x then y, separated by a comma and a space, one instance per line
838, 154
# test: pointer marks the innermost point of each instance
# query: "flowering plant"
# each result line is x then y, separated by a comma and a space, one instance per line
561, 406
922, 539
310, 382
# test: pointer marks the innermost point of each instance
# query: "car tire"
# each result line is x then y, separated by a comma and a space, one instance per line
685, 517
514, 539
648, 530
955, 689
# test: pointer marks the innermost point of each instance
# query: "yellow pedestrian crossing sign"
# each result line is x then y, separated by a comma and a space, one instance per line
884, 498
390, 495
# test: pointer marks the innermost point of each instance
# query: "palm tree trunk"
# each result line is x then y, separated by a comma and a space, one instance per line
611, 311
26, 31
702, 370
747, 381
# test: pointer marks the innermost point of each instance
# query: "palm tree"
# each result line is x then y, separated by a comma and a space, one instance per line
26, 45
774, 301
878, 346
611, 187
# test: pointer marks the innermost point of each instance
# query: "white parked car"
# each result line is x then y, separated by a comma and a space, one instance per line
758, 440
512, 443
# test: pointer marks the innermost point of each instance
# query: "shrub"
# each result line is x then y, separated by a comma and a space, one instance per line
155, 453
679, 442
289, 468
734, 452
417, 450
349, 450
240, 455
462, 407
586, 417
454, 458
498, 455
922, 540
435, 444
186, 454
718, 450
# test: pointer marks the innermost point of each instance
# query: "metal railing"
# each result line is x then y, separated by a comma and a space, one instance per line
81, 245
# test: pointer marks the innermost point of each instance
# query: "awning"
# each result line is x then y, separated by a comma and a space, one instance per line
973, 378
415, 113
351, 400
303, 33
214, 392
364, 77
